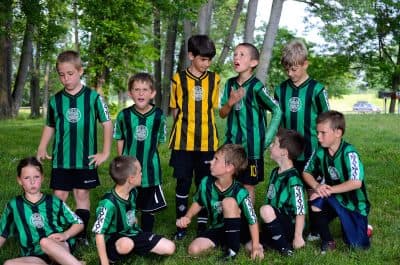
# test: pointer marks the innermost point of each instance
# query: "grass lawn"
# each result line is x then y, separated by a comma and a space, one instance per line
376, 137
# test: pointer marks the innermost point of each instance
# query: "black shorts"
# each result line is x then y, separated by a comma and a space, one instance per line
254, 172
287, 227
144, 242
69, 179
150, 199
187, 162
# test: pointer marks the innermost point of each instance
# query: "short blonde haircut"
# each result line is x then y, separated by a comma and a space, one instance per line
70, 56
294, 53
121, 167
235, 155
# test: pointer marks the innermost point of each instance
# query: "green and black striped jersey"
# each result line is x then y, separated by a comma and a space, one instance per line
209, 196
300, 108
141, 134
116, 215
286, 193
30, 222
196, 99
247, 121
345, 165
74, 119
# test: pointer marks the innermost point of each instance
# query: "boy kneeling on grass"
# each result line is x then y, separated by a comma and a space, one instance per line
117, 233
225, 200
343, 193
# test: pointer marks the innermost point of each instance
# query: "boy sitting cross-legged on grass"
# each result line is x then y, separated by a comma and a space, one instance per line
225, 199
117, 233
285, 208
43, 224
343, 194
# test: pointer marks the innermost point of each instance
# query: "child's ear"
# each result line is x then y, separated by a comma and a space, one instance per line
190, 56
253, 63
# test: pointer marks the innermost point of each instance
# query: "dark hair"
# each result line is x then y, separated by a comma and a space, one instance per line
201, 45
143, 77
292, 141
254, 53
121, 167
69, 56
235, 155
29, 161
335, 118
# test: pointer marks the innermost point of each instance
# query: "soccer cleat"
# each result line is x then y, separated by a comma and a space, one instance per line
229, 255
179, 235
313, 237
327, 246
287, 252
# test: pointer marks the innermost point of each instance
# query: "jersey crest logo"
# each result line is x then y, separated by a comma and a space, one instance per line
130, 218
218, 207
295, 104
37, 220
141, 133
333, 173
198, 93
73, 115
271, 192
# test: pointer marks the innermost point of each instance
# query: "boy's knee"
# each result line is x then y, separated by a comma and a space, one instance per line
267, 213
230, 207
194, 250
169, 248
124, 245
45, 244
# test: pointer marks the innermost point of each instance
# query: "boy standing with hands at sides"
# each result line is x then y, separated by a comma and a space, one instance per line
43, 224
138, 131
301, 99
244, 104
117, 233
344, 193
194, 98
285, 206
71, 118
225, 199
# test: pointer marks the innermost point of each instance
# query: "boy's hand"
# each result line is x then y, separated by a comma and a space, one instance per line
257, 252
235, 96
323, 190
183, 222
298, 242
98, 159
61, 237
41, 155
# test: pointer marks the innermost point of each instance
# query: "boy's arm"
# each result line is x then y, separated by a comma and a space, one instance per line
99, 158
2, 241
298, 240
234, 97
184, 221
174, 112
346, 186
67, 234
256, 248
101, 249
47, 134
120, 146
275, 121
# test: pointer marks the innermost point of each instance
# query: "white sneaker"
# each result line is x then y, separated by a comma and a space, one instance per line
313, 237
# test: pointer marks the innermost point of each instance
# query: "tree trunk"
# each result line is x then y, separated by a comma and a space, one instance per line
100, 80
157, 62
204, 19
35, 84
75, 25
22, 73
46, 88
395, 82
250, 21
184, 61
5, 59
269, 39
232, 29
169, 62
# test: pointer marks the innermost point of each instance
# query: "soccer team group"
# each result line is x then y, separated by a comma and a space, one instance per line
318, 174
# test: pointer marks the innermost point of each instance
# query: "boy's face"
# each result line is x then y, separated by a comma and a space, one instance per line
30, 179
297, 73
276, 151
70, 76
199, 64
242, 61
327, 136
141, 93
218, 166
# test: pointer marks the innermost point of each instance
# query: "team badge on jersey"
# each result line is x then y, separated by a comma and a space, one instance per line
141, 133
271, 192
333, 173
198, 93
73, 115
130, 217
295, 104
37, 220
218, 207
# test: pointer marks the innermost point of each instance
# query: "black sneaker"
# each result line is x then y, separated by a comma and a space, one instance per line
327, 246
229, 255
179, 235
82, 241
288, 252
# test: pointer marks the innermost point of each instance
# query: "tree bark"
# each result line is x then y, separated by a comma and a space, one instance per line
5, 59
169, 62
46, 88
250, 21
269, 39
157, 62
204, 19
395, 82
228, 41
35, 83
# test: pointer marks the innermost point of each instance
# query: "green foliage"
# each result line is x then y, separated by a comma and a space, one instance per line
378, 148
